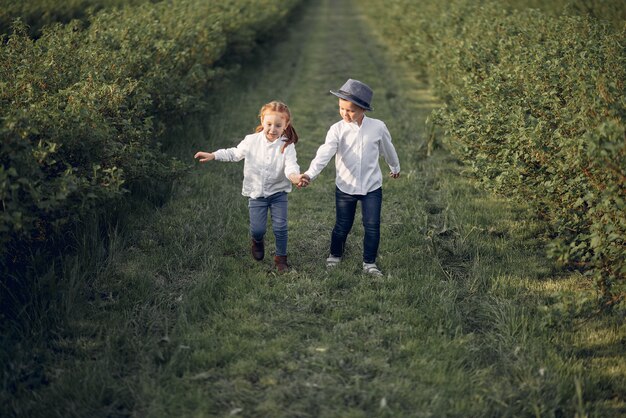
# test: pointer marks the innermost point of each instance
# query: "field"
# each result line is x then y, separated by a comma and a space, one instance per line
163, 312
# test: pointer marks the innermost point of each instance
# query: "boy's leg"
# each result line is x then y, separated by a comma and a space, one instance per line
278, 209
345, 209
371, 205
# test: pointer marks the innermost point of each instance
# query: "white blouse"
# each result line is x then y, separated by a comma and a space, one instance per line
265, 169
357, 150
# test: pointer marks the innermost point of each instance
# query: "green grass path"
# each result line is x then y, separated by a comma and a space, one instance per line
463, 323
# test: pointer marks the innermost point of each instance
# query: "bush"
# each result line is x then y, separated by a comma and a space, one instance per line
81, 108
535, 105
36, 14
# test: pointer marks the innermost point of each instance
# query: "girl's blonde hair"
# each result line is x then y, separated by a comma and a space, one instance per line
280, 107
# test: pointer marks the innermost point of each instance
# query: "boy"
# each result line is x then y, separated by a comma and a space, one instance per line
356, 142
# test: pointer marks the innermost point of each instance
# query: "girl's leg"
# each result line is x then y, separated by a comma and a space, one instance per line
371, 208
278, 208
345, 209
258, 217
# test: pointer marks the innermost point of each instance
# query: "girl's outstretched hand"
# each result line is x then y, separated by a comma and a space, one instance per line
203, 157
394, 175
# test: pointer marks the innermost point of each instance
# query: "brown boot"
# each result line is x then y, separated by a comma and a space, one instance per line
281, 263
258, 249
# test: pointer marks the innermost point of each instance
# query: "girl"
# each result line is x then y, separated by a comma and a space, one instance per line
270, 163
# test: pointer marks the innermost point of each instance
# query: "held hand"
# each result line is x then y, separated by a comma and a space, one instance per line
300, 180
203, 157
295, 178
394, 175
304, 181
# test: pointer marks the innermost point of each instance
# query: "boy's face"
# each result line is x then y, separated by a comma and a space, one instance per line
274, 124
350, 112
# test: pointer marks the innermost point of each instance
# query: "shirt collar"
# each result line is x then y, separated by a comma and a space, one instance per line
354, 125
270, 143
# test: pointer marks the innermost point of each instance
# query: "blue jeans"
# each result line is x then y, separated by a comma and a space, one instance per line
345, 207
277, 204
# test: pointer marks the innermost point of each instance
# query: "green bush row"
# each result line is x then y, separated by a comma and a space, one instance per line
611, 11
79, 106
535, 105
38, 13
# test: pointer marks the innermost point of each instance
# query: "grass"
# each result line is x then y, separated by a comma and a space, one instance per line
469, 319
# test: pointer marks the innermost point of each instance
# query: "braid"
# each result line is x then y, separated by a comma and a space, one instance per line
291, 134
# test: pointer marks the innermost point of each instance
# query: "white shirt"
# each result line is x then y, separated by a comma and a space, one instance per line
265, 169
356, 150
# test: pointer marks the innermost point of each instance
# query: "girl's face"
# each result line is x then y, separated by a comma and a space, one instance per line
350, 112
274, 124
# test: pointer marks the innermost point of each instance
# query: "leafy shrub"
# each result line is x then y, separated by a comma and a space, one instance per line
612, 11
535, 105
81, 107
38, 13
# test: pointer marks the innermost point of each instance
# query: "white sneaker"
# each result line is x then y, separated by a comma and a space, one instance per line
332, 261
371, 269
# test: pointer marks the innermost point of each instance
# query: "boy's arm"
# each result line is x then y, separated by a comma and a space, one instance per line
325, 152
389, 152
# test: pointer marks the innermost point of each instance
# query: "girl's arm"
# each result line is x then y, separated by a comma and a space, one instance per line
292, 169
237, 153
203, 157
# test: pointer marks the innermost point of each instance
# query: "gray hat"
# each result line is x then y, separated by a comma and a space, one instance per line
356, 92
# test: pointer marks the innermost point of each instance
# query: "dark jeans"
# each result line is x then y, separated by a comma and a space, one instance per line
345, 207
